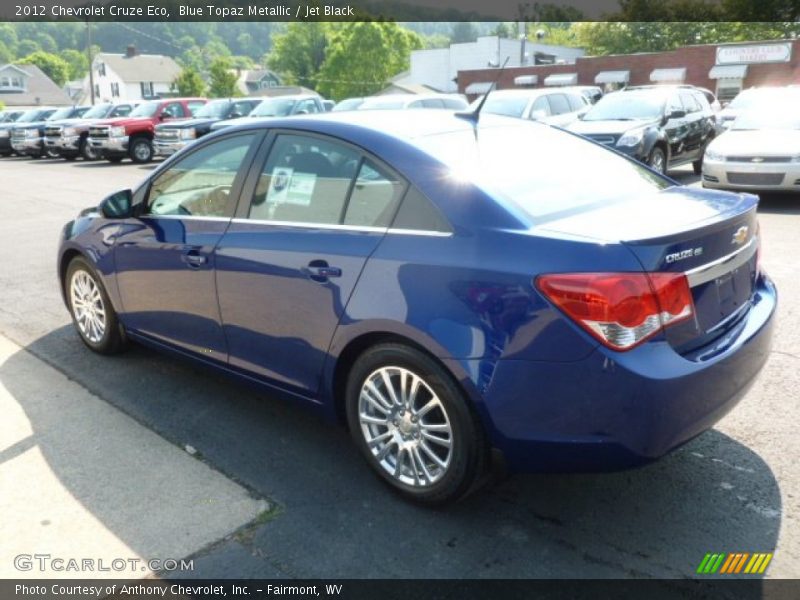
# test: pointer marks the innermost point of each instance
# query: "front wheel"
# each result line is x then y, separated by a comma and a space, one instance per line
414, 425
658, 160
92, 313
141, 151
87, 151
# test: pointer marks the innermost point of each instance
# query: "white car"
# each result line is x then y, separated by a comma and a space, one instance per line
761, 151
756, 99
553, 106
402, 101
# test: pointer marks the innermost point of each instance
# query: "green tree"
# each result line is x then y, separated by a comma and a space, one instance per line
55, 67
463, 31
189, 83
26, 47
77, 61
6, 55
298, 53
222, 82
363, 56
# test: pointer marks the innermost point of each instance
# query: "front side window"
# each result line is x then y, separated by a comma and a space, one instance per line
558, 104
690, 103
174, 110
305, 180
122, 110
307, 106
200, 184
540, 108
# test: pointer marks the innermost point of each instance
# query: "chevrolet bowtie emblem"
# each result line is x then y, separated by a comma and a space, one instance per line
757, 159
740, 236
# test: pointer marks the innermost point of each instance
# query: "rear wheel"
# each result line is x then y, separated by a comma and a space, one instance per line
92, 313
658, 160
414, 425
141, 150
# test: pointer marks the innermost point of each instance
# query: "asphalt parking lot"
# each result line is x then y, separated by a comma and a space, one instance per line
733, 489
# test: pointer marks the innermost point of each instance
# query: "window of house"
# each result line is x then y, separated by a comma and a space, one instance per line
97, 90
101, 69
728, 89
146, 88
115, 90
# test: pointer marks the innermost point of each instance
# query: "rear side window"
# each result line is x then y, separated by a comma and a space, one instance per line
305, 180
559, 104
418, 214
374, 198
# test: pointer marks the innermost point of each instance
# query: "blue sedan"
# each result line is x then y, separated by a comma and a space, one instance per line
452, 291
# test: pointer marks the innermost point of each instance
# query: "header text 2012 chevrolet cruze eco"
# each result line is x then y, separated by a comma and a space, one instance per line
449, 290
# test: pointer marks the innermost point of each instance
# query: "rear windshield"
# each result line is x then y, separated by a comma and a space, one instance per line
546, 172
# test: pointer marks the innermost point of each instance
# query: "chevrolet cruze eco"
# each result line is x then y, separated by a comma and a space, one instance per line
448, 289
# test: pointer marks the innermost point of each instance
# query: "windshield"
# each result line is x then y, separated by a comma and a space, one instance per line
523, 164
216, 109
62, 113
778, 117
349, 104
498, 104
33, 115
97, 112
148, 109
274, 107
382, 104
626, 106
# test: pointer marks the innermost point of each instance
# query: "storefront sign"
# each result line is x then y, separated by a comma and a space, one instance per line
761, 53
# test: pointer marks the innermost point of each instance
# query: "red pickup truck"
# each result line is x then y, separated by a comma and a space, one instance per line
132, 136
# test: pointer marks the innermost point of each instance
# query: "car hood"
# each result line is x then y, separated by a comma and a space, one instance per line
760, 142
68, 121
31, 125
186, 123
118, 121
607, 127
680, 210
242, 121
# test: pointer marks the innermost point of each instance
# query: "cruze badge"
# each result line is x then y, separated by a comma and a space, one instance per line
740, 236
676, 256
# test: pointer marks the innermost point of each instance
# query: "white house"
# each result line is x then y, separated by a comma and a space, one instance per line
23, 86
132, 76
438, 68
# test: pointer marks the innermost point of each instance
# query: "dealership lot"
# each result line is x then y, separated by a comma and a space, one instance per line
734, 489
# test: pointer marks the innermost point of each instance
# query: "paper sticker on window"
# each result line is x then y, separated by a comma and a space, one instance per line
290, 187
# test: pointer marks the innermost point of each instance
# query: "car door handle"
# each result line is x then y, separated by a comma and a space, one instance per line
194, 259
320, 271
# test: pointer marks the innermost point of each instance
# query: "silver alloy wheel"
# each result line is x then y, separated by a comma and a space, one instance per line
406, 426
87, 305
142, 151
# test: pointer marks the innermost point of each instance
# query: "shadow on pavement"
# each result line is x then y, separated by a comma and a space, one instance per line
337, 519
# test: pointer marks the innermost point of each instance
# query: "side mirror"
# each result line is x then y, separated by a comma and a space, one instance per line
676, 114
118, 205
236, 115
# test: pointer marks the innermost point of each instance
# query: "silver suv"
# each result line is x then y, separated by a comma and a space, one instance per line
553, 106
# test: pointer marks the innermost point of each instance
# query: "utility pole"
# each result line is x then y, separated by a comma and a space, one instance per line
522, 39
89, 55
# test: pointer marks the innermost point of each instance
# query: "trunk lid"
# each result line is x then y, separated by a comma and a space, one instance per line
710, 236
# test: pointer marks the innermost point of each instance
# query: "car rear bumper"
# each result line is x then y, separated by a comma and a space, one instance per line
778, 176
617, 410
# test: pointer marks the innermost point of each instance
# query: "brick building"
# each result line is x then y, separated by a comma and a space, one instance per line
723, 68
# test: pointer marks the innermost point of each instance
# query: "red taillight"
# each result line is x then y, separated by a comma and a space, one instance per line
620, 309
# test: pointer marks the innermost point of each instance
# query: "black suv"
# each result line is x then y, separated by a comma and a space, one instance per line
68, 138
171, 137
661, 126
27, 137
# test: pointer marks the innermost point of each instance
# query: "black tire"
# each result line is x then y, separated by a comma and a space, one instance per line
114, 159
69, 157
658, 157
86, 150
468, 449
141, 150
113, 339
